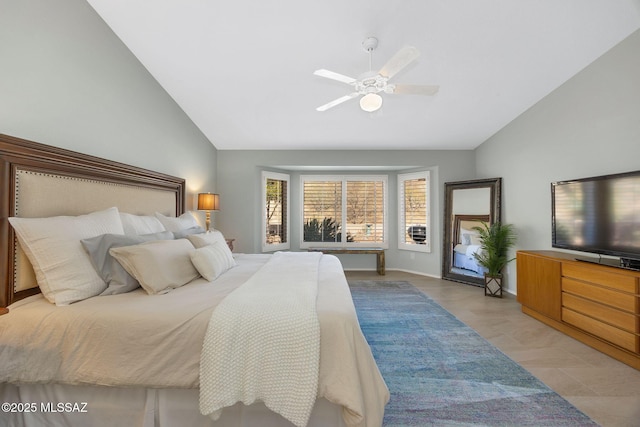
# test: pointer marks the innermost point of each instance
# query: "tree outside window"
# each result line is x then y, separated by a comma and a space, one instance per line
275, 189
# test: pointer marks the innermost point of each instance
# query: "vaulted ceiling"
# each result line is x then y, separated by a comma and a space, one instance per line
243, 70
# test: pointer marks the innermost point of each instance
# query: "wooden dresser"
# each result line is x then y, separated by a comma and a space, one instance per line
596, 304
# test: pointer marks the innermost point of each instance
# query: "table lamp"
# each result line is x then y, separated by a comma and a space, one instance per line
208, 202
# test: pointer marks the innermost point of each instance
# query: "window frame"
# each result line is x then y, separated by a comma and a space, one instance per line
402, 242
270, 247
344, 179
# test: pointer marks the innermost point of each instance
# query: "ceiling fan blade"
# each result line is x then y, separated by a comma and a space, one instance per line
416, 89
335, 102
401, 59
334, 76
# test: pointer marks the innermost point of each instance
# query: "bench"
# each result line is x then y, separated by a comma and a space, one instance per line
378, 251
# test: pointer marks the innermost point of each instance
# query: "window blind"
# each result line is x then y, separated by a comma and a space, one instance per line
344, 210
413, 207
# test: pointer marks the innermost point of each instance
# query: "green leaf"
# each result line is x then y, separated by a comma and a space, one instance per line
496, 240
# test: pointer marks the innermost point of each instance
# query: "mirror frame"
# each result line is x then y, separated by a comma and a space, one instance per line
495, 187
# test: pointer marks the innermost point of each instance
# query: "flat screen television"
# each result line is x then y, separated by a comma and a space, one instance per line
600, 215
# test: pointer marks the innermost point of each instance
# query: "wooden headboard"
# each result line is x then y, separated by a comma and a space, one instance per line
38, 180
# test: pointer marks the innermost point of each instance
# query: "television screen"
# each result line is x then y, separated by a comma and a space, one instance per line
599, 215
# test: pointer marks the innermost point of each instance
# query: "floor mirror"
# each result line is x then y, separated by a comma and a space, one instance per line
467, 204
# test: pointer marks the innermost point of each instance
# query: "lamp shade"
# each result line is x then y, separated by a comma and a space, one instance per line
371, 102
208, 202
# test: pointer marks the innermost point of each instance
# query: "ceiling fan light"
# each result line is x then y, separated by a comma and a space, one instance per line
371, 102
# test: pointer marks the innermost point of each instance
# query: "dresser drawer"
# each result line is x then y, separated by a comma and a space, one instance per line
604, 277
610, 315
623, 301
609, 333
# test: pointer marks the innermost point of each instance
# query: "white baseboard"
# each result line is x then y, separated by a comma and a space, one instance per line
419, 273
396, 269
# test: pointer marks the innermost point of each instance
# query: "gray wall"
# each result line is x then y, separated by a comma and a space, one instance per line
239, 186
589, 126
67, 80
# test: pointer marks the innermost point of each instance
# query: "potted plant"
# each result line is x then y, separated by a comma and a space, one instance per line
495, 241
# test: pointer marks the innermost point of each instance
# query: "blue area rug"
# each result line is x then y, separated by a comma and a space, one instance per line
440, 372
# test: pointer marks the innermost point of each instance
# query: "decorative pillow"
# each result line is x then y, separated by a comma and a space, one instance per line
475, 240
115, 276
465, 236
206, 239
184, 233
159, 266
135, 225
63, 270
211, 261
183, 222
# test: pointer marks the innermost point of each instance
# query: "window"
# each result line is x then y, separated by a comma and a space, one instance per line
413, 212
275, 213
344, 211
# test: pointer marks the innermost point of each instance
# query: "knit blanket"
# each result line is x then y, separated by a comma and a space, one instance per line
263, 341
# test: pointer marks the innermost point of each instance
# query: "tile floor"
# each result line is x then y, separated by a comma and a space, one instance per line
606, 390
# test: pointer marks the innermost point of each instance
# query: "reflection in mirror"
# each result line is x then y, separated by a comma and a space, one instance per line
466, 243
467, 205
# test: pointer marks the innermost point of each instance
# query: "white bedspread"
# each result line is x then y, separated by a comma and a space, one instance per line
263, 341
140, 340
467, 250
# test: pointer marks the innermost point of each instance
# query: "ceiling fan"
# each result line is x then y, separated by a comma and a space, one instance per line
371, 83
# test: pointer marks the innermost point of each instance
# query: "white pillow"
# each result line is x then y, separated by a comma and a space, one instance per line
465, 236
475, 239
63, 269
206, 239
183, 222
160, 265
186, 232
466, 239
135, 225
211, 261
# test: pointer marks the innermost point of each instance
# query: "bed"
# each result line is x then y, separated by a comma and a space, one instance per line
466, 242
143, 356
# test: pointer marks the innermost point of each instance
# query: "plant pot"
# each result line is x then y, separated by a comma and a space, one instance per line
493, 285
